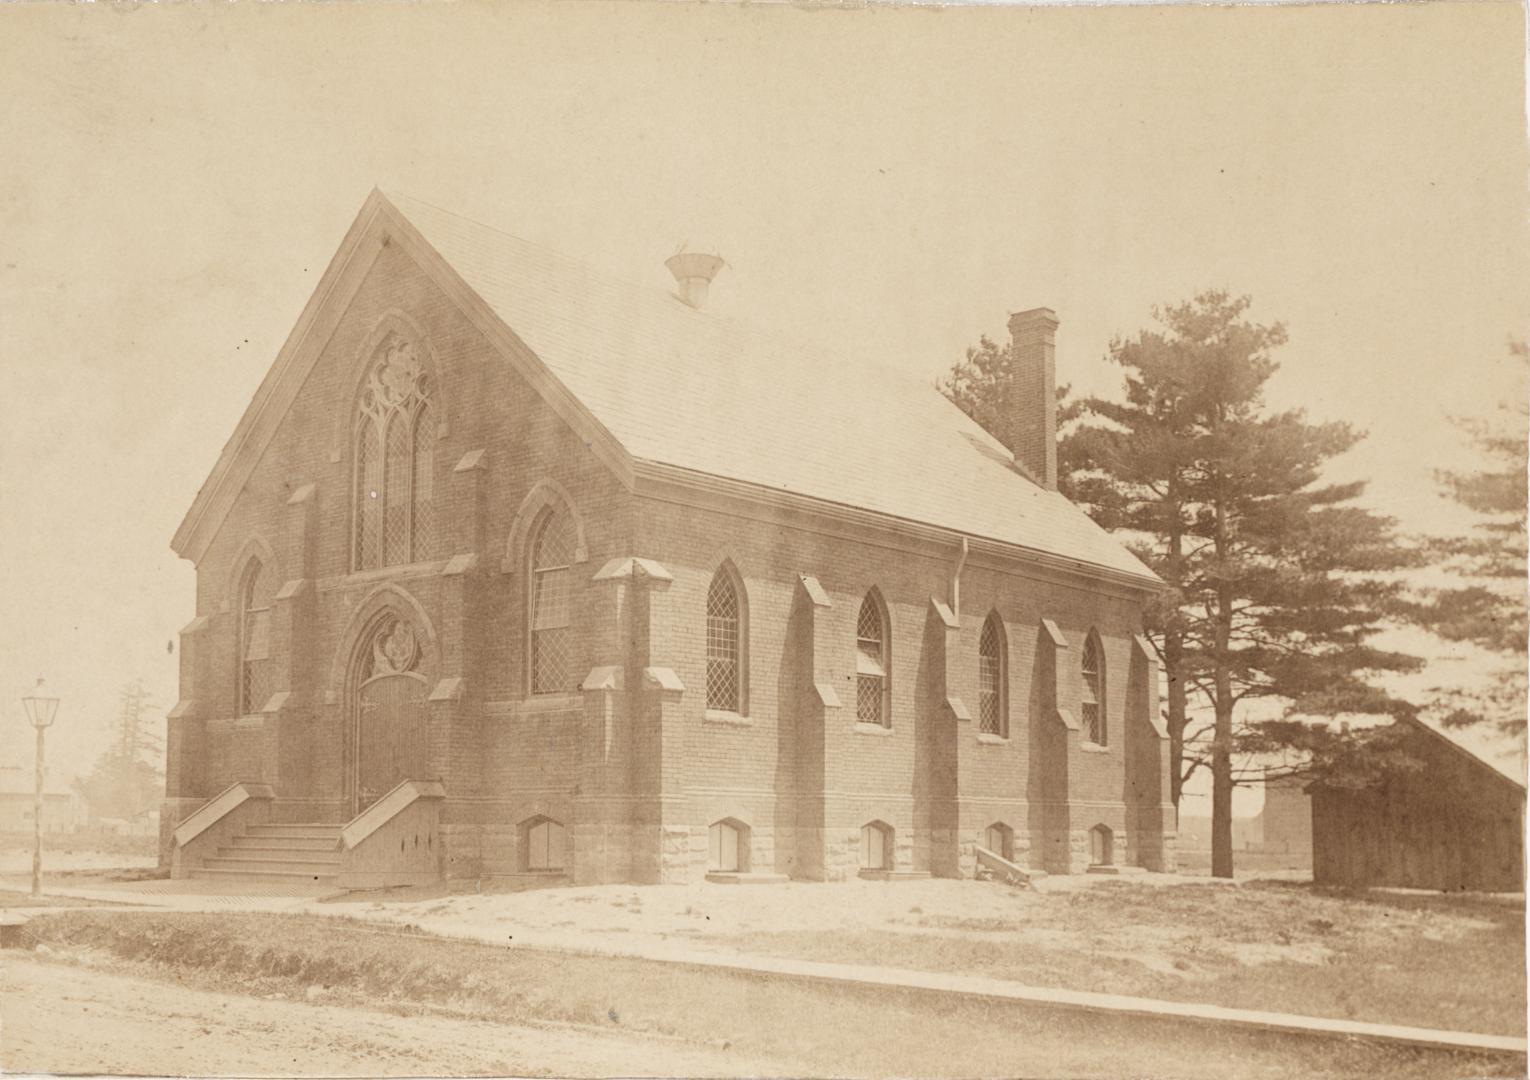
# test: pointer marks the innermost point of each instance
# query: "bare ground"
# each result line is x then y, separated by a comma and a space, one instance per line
66, 1019
150, 992
1423, 960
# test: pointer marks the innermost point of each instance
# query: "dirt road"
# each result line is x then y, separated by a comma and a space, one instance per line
66, 1019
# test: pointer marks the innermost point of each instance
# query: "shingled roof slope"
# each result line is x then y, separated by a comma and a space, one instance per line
707, 393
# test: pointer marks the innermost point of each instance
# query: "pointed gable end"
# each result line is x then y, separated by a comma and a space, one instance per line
378, 224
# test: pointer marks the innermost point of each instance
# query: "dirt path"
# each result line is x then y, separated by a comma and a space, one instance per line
66, 1019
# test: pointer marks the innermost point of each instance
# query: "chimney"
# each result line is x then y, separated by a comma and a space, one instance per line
693, 273
1033, 337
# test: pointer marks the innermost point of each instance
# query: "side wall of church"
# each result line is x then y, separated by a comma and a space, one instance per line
805, 777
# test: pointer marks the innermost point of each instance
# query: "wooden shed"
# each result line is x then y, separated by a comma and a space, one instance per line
1455, 824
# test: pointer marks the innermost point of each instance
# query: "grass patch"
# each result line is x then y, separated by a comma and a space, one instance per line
810, 1028
82, 841
1428, 961
15, 898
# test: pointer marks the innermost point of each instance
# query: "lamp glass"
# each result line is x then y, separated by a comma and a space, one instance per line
40, 710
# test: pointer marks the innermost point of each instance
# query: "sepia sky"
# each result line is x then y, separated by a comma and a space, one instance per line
891, 181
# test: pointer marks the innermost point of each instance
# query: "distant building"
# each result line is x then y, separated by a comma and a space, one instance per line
62, 808
1458, 823
142, 825
1284, 826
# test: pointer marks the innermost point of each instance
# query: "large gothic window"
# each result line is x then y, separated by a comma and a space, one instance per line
552, 555
871, 697
726, 662
255, 591
993, 718
394, 461
1093, 671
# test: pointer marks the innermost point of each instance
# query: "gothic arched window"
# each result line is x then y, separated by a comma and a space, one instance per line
871, 696
255, 591
394, 461
1093, 670
726, 662
552, 554
993, 680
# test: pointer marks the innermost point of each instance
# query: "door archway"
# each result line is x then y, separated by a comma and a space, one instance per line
389, 716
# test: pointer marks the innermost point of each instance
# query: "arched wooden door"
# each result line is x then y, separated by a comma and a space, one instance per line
389, 732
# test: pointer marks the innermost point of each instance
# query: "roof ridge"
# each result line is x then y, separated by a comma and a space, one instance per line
795, 343
561, 256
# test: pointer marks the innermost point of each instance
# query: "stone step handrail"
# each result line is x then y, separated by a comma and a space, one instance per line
399, 798
219, 807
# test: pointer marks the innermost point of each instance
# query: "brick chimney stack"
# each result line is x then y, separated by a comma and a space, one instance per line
1033, 335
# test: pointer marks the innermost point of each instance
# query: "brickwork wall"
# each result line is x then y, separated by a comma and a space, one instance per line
931, 777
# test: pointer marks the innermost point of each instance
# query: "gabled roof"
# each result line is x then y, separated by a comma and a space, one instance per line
711, 396
1479, 747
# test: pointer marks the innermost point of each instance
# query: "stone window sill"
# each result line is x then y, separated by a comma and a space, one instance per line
725, 716
989, 739
1093, 748
862, 728
549, 703
388, 573
248, 720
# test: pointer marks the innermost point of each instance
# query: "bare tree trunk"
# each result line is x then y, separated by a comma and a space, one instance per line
1221, 792
1174, 657
1221, 740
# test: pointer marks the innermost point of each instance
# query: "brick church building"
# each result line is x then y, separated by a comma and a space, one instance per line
514, 569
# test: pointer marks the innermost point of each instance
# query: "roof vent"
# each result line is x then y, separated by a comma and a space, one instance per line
693, 273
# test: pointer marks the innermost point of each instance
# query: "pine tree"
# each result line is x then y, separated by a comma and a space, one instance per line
1277, 580
1488, 610
123, 783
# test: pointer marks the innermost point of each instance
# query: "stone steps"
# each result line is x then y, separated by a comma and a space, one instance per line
276, 854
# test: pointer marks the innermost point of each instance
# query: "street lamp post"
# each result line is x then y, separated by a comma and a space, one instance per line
40, 712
